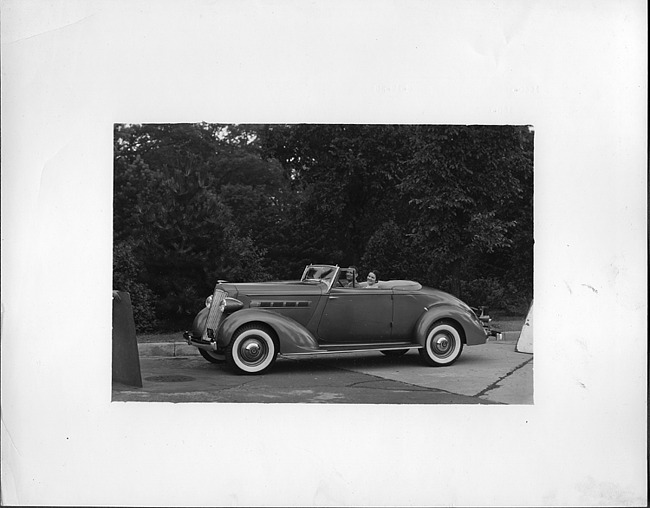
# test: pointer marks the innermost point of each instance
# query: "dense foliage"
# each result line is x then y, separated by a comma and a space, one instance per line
448, 206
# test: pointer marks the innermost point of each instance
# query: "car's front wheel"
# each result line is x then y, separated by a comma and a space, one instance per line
212, 357
252, 350
443, 344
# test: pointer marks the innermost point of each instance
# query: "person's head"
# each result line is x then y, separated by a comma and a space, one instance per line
351, 274
373, 277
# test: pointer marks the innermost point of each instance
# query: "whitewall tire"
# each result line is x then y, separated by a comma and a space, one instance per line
252, 350
443, 344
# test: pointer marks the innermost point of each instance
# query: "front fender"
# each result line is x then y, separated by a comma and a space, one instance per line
293, 337
198, 326
473, 332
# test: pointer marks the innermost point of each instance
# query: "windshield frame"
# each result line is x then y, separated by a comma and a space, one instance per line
328, 281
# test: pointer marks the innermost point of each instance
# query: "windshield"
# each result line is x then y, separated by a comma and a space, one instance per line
318, 273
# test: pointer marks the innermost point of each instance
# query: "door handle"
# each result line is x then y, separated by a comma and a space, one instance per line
334, 297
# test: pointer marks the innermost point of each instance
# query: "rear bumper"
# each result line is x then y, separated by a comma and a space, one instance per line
200, 343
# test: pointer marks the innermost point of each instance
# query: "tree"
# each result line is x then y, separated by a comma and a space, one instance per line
343, 174
169, 209
449, 206
469, 189
445, 204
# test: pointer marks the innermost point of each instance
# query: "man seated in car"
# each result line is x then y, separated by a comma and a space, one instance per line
351, 278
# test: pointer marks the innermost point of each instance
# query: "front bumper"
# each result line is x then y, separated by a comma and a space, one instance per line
208, 345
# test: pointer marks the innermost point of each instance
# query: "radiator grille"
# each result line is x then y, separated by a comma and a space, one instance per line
214, 316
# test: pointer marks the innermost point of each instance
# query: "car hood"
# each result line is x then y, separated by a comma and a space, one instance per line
277, 288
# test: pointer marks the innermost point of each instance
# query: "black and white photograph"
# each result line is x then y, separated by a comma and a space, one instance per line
324, 253
323, 243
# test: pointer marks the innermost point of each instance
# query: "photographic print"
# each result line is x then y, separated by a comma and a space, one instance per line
288, 253
315, 263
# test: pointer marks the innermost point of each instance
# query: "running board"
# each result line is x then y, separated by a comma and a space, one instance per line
356, 348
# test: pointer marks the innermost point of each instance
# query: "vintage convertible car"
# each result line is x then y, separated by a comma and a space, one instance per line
247, 325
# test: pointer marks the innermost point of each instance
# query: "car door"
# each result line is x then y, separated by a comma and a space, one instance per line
354, 315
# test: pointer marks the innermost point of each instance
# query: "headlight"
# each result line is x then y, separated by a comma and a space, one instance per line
222, 305
208, 301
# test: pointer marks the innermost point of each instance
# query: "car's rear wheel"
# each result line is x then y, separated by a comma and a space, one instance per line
443, 344
252, 350
394, 353
212, 357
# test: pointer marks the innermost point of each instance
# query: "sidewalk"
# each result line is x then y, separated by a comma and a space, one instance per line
485, 374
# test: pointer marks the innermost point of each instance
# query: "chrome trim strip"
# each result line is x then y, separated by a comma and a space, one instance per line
376, 345
330, 352
280, 304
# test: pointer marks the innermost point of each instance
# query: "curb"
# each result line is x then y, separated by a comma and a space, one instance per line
167, 349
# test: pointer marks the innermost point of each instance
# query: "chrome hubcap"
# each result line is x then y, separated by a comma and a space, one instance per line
442, 343
253, 350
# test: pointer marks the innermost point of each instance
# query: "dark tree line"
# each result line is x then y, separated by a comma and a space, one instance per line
448, 206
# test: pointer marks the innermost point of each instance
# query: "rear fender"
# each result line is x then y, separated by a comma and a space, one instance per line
471, 328
293, 337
